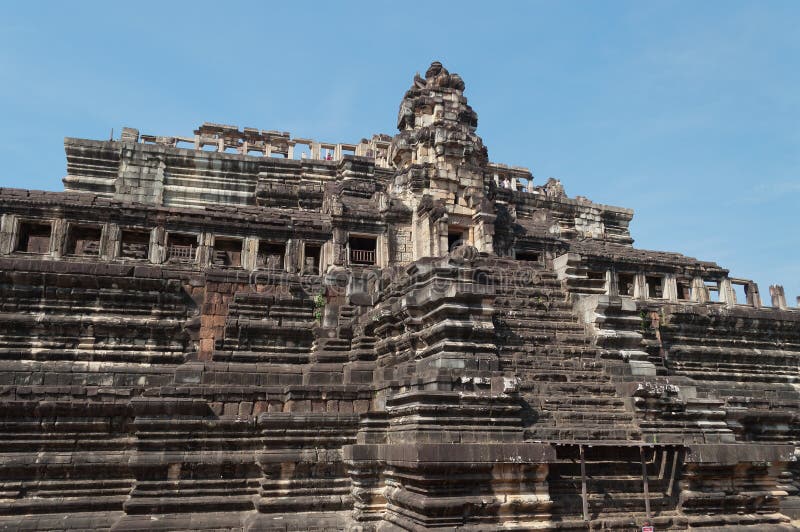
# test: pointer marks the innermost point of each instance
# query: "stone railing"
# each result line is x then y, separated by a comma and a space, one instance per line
664, 287
520, 179
250, 141
362, 256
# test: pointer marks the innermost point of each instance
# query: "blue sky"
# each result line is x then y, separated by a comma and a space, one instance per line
687, 112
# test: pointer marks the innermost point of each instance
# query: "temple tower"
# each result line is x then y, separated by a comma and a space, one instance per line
440, 166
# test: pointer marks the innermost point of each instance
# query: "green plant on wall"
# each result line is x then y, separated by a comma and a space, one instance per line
319, 306
646, 321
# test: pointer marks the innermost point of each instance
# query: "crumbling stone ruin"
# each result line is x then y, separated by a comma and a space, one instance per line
242, 330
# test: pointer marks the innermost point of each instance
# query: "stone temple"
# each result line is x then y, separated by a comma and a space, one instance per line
243, 330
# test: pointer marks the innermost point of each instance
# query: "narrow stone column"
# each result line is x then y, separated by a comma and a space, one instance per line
250, 253
110, 241
58, 237
291, 254
778, 296
158, 248
8, 230
612, 282
753, 295
670, 287
726, 293
699, 292
382, 251
639, 286
205, 249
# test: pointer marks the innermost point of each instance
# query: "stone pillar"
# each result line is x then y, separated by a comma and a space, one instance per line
421, 236
483, 232
382, 251
58, 237
440, 234
726, 293
339, 248
8, 230
250, 253
291, 256
753, 295
205, 249
670, 287
778, 296
158, 248
325, 257
699, 293
316, 150
289, 152
110, 242
612, 282
639, 286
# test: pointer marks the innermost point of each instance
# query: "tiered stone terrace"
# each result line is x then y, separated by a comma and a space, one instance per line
244, 330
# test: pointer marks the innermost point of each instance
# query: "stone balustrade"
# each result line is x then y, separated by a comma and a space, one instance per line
263, 143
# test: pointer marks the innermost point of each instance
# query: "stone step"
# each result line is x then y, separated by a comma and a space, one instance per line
604, 433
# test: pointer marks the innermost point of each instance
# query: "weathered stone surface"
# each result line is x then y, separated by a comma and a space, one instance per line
398, 334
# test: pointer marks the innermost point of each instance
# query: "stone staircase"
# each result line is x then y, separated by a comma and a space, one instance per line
112, 315
568, 394
262, 327
617, 328
751, 376
614, 481
742, 347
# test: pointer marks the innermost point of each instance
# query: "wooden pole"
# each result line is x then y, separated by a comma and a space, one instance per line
584, 496
644, 481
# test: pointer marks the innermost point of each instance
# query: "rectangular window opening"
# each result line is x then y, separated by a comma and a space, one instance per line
302, 151
529, 256
456, 236
712, 287
597, 279
740, 293
134, 244
270, 255
362, 250
684, 289
655, 286
311, 262
596, 275
84, 241
454, 240
227, 252
181, 248
34, 237
625, 283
